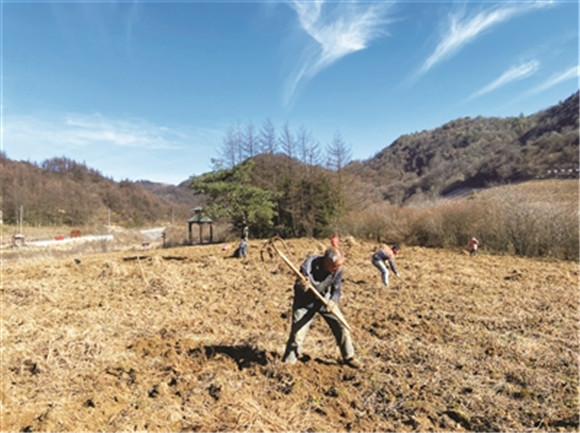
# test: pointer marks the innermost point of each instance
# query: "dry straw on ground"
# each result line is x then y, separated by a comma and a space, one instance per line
187, 339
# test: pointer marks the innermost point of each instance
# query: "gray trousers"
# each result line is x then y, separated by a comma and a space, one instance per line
380, 265
301, 320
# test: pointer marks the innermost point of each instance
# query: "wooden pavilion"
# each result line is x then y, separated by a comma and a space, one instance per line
200, 221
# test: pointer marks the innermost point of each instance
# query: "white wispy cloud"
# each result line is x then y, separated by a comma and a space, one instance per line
91, 129
462, 30
124, 148
337, 29
77, 130
515, 73
572, 73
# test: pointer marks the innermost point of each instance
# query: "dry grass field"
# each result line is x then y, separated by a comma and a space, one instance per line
187, 339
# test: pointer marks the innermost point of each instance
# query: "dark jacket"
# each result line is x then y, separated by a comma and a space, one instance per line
328, 284
387, 257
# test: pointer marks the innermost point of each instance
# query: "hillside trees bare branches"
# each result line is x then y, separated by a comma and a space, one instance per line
338, 156
250, 143
60, 191
308, 148
231, 151
476, 153
267, 138
307, 201
287, 141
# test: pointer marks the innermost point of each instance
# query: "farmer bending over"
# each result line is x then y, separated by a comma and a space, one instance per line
383, 256
325, 275
242, 249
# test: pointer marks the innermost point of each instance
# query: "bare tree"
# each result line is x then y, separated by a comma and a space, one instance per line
308, 148
228, 149
287, 141
267, 138
250, 140
338, 156
339, 153
239, 139
303, 141
231, 150
314, 156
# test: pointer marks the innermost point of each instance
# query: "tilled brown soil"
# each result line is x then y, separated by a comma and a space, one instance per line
187, 339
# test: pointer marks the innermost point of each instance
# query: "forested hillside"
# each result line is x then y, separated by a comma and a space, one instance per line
60, 191
476, 153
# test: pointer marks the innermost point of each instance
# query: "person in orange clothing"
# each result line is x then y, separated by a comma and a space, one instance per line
334, 241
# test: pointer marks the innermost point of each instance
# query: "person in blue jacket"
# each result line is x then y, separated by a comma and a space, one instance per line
325, 274
242, 250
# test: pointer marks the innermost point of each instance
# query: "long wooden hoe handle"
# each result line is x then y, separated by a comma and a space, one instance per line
308, 284
403, 281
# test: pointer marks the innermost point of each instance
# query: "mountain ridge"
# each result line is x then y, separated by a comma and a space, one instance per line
465, 153
475, 153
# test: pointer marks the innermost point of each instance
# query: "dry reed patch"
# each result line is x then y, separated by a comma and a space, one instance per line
188, 339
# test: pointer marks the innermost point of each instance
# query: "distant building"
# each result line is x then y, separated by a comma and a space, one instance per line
562, 172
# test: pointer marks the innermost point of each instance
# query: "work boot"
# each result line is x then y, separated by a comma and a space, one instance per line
353, 363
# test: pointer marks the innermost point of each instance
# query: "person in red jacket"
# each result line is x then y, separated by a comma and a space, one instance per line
472, 246
383, 256
334, 241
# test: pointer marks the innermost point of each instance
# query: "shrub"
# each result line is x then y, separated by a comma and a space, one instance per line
534, 220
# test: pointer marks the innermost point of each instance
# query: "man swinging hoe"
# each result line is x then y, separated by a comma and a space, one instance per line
317, 290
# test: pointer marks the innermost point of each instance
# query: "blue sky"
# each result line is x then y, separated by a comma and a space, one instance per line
147, 90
